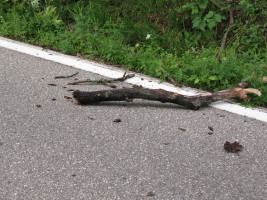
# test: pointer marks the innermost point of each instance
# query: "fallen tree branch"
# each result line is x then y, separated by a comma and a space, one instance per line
192, 102
57, 77
103, 81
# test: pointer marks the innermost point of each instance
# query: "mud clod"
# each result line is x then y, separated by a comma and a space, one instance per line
151, 194
117, 120
232, 147
211, 128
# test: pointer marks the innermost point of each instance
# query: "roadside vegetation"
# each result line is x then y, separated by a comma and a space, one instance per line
207, 44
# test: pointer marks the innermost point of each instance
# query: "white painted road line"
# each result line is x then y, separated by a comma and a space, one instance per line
113, 72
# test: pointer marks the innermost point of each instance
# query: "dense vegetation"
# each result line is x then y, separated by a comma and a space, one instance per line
208, 44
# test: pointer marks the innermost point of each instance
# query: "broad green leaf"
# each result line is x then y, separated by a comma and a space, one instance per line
218, 17
194, 10
202, 25
213, 78
196, 21
209, 15
186, 34
211, 24
203, 4
188, 5
196, 80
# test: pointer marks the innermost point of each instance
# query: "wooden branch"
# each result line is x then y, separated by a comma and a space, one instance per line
192, 102
216, 4
231, 22
103, 81
69, 76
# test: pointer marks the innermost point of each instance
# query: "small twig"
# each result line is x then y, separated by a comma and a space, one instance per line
231, 22
216, 4
103, 81
57, 77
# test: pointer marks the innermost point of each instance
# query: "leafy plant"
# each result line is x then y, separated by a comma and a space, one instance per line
175, 40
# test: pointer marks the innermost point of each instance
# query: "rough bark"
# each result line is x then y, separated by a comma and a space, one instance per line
192, 102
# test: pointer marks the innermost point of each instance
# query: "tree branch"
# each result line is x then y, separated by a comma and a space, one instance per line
216, 4
192, 102
231, 22
103, 81
69, 76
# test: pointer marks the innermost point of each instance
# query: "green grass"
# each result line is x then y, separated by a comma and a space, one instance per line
179, 47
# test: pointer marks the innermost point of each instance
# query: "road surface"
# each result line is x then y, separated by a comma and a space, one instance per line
51, 148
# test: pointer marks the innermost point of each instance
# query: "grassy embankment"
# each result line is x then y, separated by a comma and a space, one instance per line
171, 40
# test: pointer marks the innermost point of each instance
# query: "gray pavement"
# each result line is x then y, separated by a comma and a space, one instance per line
62, 150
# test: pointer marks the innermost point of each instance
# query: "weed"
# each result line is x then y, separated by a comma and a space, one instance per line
164, 39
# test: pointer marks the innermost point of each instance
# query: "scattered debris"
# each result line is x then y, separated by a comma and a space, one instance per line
69, 76
52, 84
137, 86
67, 97
182, 129
151, 194
211, 128
117, 120
232, 147
38, 105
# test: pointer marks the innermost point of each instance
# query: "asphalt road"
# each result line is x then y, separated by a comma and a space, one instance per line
64, 151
